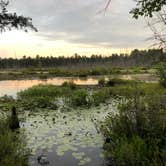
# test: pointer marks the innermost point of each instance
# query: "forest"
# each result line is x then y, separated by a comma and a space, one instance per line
137, 58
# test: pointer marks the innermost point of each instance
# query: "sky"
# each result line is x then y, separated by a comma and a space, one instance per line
66, 27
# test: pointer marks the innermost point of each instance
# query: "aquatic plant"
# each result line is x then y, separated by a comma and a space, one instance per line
102, 82
69, 84
100, 96
79, 98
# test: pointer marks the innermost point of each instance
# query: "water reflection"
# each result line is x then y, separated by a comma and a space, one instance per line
66, 138
11, 87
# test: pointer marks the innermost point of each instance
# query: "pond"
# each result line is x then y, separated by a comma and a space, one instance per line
11, 87
67, 137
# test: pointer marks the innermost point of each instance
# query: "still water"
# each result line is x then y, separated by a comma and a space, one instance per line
67, 138
11, 87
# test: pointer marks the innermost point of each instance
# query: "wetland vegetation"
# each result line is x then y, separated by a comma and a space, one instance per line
110, 111
125, 122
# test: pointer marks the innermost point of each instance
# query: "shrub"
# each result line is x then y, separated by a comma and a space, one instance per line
161, 72
79, 98
136, 134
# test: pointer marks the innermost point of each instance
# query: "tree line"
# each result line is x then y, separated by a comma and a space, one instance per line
141, 58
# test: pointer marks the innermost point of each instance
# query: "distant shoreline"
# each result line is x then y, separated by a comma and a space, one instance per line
52, 73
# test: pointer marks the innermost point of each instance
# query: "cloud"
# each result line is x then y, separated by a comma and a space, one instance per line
77, 21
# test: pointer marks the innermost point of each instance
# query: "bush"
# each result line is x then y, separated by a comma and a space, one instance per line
79, 98
161, 72
136, 134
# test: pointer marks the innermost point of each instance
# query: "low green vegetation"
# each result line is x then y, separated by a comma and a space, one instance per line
161, 72
49, 96
12, 146
100, 96
70, 85
136, 134
79, 98
6, 103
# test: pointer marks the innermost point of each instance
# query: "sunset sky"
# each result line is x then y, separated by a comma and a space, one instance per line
74, 26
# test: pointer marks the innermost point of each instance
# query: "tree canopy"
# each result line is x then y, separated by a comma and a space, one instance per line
146, 8
139, 58
9, 21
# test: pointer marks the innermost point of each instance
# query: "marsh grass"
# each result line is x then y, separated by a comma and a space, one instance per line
79, 98
45, 96
136, 135
100, 96
12, 146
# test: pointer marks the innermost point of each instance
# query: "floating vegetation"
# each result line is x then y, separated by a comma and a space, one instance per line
81, 156
60, 132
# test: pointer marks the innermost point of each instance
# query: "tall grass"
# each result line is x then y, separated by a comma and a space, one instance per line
12, 146
136, 135
100, 96
79, 98
44, 96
